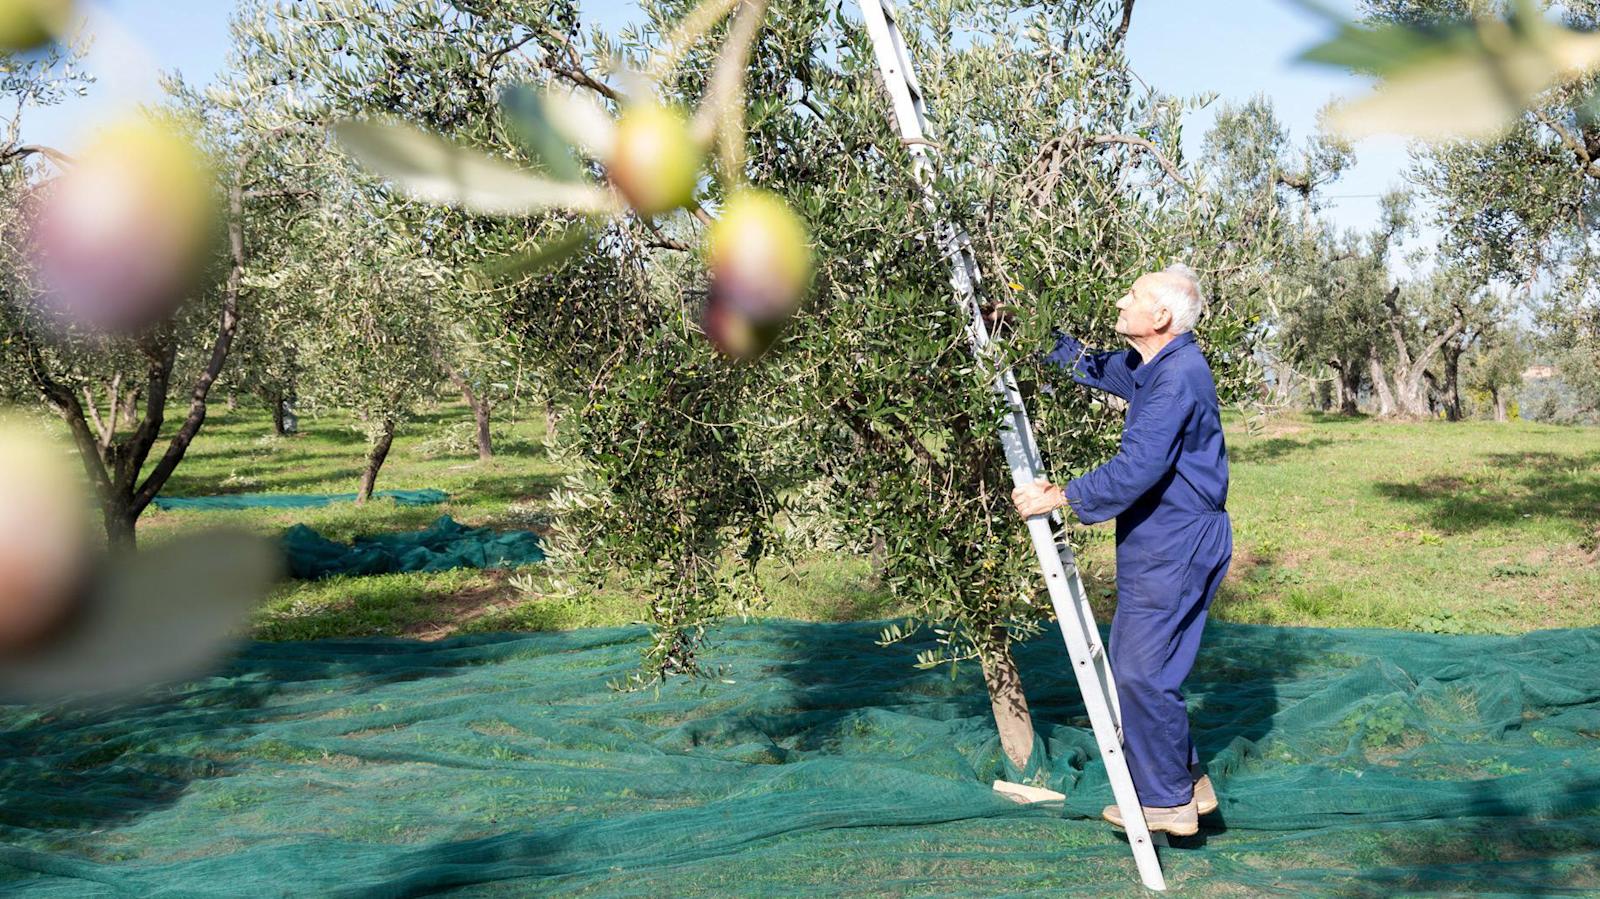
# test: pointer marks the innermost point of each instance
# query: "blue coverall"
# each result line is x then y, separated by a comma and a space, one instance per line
1168, 489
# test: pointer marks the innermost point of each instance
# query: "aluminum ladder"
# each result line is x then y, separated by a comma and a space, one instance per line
1090, 662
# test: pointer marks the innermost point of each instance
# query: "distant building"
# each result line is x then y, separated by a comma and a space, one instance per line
1539, 372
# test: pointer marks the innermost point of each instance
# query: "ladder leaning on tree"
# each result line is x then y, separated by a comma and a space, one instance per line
1088, 652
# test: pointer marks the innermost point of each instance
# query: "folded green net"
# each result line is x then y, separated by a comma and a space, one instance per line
424, 497
443, 545
1349, 762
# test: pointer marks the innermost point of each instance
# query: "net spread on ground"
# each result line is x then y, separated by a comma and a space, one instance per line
234, 501
440, 546
1357, 762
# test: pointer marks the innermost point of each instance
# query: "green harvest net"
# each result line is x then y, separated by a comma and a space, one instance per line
1357, 763
425, 497
443, 545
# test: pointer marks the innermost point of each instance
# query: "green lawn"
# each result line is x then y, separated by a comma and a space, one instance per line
1451, 528
1471, 527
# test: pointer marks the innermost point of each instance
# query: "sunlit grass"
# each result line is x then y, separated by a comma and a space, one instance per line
1454, 528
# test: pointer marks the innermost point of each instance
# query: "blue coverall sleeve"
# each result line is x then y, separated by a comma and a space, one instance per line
1150, 447
1102, 371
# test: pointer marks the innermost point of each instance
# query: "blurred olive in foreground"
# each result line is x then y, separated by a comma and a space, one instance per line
25, 24
120, 237
759, 262
44, 535
654, 161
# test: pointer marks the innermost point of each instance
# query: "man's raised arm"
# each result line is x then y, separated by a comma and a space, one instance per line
1102, 371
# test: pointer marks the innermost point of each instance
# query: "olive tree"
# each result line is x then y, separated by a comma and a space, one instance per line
184, 332
1068, 179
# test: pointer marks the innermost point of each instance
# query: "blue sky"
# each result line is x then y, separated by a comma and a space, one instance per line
1236, 48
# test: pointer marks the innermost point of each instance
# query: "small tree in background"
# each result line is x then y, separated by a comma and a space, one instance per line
1495, 366
368, 340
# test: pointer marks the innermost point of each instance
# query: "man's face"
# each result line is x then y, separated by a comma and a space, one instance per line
1139, 315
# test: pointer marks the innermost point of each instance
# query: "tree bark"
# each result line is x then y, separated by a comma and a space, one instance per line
1451, 389
275, 399
129, 414
107, 427
375, 457
1346, 386
121, 523
286, 408
878, 559
1410, 388
1499, 404
480, 411
1380, 385
1006, 699
479, 405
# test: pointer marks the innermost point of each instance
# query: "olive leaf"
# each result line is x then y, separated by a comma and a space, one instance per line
528, 119
581, 120
430, 168
1466, 80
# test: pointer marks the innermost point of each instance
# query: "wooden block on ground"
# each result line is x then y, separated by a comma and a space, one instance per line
1025, 794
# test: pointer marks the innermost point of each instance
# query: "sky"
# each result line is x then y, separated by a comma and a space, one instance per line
1235, 48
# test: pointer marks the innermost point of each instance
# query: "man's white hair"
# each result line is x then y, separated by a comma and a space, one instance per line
1181, 295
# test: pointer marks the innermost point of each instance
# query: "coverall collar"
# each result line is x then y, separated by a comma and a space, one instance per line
1145, 371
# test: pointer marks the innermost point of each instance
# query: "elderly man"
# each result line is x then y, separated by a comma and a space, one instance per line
1167, 488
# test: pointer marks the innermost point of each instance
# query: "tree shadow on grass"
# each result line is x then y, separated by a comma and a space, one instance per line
1276, 449
266, 480
1564, 486
1337, 418
73, 769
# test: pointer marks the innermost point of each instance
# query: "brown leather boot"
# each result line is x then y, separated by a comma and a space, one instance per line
1205, 795
1182, 821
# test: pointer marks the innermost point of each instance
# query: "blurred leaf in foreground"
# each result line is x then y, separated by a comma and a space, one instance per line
1468, 80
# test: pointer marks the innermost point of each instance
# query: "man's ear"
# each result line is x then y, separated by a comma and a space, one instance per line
1161, 318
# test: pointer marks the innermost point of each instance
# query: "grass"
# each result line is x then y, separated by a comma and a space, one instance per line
1472, 527
237, 453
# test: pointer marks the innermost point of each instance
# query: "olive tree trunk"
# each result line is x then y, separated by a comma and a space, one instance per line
1346, 385
1380, 385
375, 457
1006, 698
479, 405
1410, 371
1451, 388
115, 462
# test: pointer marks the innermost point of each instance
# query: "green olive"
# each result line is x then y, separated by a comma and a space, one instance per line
122, 233
760, 262
655, 162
